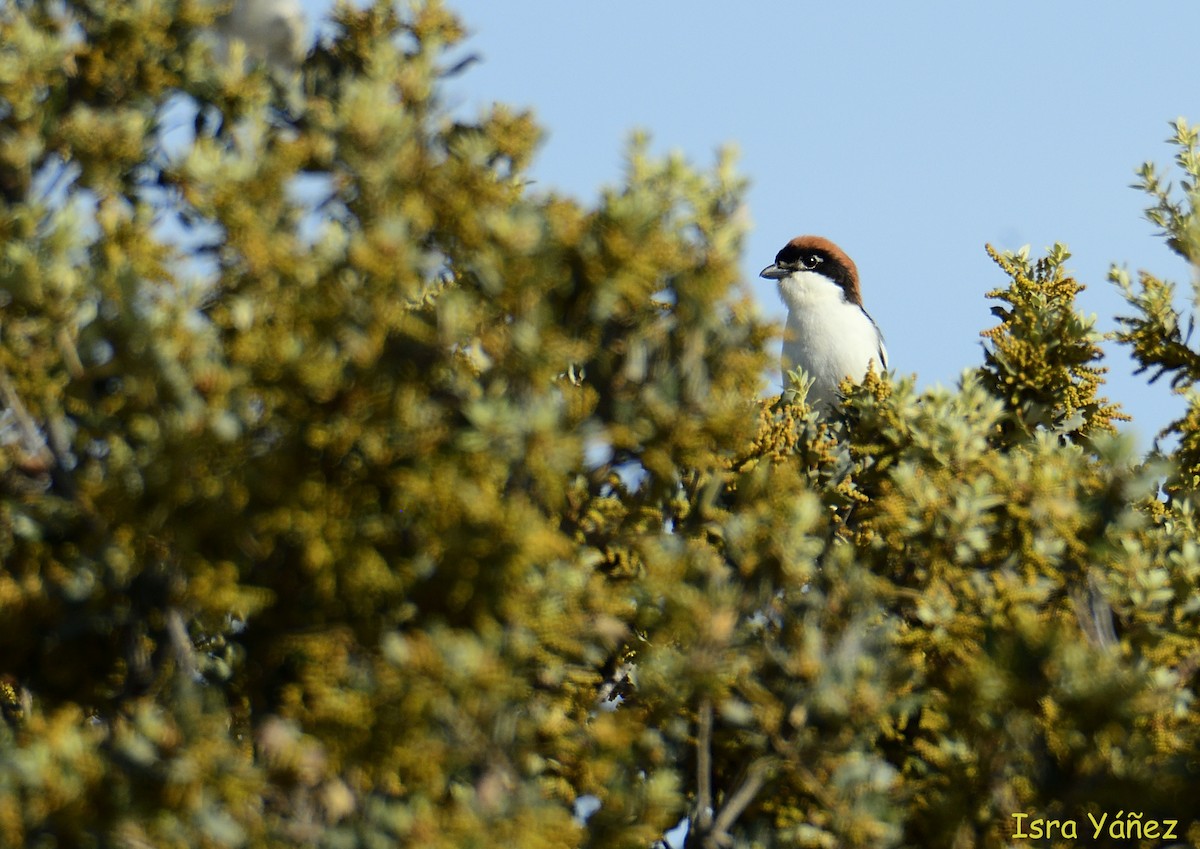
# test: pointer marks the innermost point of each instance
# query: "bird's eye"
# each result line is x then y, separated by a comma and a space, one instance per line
811, 261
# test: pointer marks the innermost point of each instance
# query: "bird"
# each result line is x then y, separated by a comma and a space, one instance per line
829, 334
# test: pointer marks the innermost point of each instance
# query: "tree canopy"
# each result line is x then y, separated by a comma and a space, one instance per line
355, 491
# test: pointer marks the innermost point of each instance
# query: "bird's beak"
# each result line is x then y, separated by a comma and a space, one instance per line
773, 272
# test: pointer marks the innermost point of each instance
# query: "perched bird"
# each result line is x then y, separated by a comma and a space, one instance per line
828, 332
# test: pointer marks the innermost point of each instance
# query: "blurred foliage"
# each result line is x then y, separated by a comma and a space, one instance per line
355, 493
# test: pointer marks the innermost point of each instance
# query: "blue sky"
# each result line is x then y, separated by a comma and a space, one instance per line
911, 134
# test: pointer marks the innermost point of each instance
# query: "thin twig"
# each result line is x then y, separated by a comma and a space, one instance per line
66, 345
1094, 613
181, 642
42, 454
32, 440
704, 813
756, 777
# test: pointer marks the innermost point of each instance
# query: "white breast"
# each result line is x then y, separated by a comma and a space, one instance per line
826, 335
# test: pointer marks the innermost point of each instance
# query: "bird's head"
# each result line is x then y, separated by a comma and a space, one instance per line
816, 255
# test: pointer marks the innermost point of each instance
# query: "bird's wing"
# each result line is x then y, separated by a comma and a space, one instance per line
883, 358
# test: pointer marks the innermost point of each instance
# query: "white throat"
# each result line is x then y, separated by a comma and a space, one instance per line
808, 289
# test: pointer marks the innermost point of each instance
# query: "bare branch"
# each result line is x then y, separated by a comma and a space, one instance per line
756, 777
704, 800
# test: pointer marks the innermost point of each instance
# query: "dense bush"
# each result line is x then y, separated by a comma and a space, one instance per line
355, 492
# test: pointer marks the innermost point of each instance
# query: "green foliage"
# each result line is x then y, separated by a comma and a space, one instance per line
1156, 332
442, 510
1040, 354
